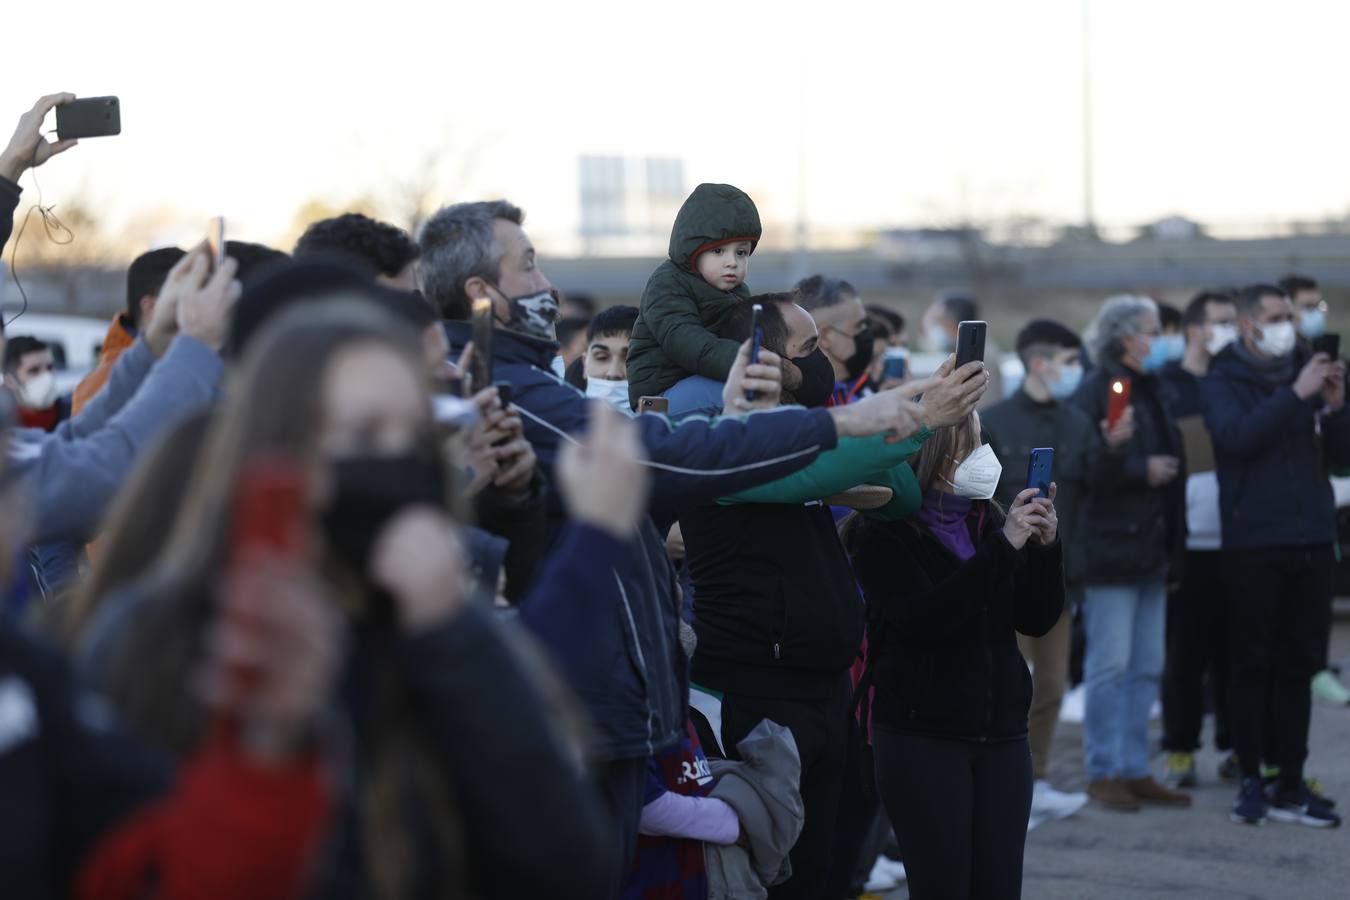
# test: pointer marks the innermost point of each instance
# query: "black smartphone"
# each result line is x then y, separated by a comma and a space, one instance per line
894, 366
481, 367
970, 342
653, 405
90, 117
1040, 470
1329, 343
756, 340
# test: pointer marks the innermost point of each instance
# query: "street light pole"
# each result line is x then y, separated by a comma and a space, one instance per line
1089, 215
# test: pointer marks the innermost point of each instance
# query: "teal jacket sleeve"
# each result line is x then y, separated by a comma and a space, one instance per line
907, 497
854, 461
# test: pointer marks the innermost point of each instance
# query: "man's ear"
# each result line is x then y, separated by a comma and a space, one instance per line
476, 288
147, 306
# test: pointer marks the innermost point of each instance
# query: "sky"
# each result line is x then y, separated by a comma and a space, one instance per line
888, 113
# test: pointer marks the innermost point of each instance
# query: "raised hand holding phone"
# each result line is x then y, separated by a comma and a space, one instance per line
1026, 517
764, 379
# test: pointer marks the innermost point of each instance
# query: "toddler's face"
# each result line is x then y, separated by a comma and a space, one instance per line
725, 267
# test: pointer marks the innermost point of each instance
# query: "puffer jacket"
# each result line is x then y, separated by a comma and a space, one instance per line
673, 336
635, 685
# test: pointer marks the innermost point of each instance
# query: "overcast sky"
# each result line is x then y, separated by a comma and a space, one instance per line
1223, 110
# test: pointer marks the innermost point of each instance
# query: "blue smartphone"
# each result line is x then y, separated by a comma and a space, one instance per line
894, 366
1040, 469
756, 338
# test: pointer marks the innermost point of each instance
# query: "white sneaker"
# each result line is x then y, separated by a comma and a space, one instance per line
880, 878
894, 867
1048, 803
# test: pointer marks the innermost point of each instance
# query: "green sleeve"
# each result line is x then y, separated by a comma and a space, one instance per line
854, 461
908, 498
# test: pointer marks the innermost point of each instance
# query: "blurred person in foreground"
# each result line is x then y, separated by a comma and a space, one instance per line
1276, 412
948, 591
1040, 414
1132, 523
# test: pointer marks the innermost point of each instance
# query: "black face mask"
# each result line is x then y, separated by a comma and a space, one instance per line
864, 347
817, 378
368, 492
533, 314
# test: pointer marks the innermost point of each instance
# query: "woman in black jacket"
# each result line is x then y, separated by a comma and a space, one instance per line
946, 591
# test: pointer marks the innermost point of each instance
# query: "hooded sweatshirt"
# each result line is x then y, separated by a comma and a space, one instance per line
674, 334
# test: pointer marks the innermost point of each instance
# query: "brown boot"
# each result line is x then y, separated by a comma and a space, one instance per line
1149, 791
1112, 793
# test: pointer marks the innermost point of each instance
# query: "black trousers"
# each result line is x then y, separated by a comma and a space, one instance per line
820, 728
960, 813
1279, 615
1197, 655
623, 787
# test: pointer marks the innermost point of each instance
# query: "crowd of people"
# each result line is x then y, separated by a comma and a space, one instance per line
297, 605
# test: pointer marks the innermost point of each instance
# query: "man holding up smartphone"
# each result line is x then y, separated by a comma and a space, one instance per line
1276, 412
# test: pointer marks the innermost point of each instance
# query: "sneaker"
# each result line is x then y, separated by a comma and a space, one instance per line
1179, 771
1146, 790
1112, 793
1303, 807
1048, 803
1229, 770
893, 866
1270, 777
1327, 688
1250, 806
880, 880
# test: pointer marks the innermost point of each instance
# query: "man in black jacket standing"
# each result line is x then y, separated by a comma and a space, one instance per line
1135, 511
1277, 414
1038, 415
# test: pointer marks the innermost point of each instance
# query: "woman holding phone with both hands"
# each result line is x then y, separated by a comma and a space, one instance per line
946, 592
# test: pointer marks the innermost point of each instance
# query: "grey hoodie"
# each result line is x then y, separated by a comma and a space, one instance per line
73, 473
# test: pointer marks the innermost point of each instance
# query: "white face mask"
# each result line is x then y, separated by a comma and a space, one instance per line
1220, 336
977, 477
39, 392
1278, 339
1313, 323
615, 393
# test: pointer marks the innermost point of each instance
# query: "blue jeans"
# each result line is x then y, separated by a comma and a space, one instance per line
1122, 668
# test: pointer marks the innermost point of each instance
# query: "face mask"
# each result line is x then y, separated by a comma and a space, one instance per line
938, 339
39, 392
615, 393
1220, 336
1312, 324
533, 314
1174, 346
1069, 378
817, 379
864, 345
1157, 356
368, 491
977, 477
1278, 339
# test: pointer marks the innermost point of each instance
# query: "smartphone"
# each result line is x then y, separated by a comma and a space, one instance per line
756, 339
653, 405
215, 240
1329, 343
970, 342
269, 515
90, 117
894, 365
1040, 469
1117, 401
481, 368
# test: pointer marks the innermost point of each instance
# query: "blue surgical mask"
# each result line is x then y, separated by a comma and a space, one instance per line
1174, 344
1064, 386
1157, 355
1313, 323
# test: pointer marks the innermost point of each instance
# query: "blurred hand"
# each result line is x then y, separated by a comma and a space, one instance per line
765, 378
483, 459
891, 412
1123, 431
419, 559
949, 396
1333, 390
273, 655
1162, 470
601, 476
1049, 529
675, 543
203, 299
28, 147
1311, 380
1025, 518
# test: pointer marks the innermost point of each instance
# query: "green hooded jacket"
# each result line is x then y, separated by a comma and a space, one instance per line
674, 335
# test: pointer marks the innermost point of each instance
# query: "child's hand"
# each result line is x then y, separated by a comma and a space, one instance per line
792, 376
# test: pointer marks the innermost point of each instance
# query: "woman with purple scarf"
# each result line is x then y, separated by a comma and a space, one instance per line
947, 590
